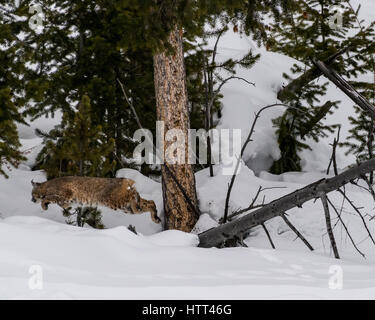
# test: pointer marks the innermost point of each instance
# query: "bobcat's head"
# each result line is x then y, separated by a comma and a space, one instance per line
38, 194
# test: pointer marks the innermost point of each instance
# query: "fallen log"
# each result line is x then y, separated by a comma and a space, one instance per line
342, 84
218, 235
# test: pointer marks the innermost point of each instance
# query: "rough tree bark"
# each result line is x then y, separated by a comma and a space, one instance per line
172, 109
217, 236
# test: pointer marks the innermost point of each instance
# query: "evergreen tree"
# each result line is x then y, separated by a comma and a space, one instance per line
362, 134
78, 52
84, 215
86, 46
9, 142
10, 92
361, 139
76, 146
304, 33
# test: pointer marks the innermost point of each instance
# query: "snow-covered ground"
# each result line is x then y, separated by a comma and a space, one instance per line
117, 264
38, 247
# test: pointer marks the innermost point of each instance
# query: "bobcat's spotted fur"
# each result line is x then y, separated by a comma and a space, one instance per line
115, 193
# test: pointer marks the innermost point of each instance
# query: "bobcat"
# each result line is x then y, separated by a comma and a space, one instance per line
115, 193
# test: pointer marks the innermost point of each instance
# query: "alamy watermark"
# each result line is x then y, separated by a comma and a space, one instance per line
36, 277
336, 19
174, 147
336, 281
36, 20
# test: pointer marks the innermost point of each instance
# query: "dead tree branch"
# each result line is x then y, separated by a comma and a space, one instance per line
215, 236
252, 205
320, 114
329, 226
369, 185
359, 213
346, 228
298, 234
268, 236
247, 141
297, 84
333, 157
342, 84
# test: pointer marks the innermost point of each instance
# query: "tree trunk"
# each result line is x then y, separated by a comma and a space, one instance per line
172, 109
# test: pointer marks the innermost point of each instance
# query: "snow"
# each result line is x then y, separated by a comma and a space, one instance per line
115, 263
111, 264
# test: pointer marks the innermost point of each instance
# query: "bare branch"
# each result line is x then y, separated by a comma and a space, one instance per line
252, 204
345, 227
329, 226
268, 236
297, 84
298, 234
217, 91
333, 157
342, 84
248, 139
359, 213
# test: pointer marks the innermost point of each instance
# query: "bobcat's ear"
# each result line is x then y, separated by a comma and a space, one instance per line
131, 183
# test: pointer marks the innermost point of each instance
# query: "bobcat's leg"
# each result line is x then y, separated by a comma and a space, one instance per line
54, 199
46, 201
63, 204
44, 204
149, 205
154, 214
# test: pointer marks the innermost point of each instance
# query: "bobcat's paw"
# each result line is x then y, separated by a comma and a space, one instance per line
44, 205
156, 219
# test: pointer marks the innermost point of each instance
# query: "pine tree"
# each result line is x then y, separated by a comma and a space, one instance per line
9, 141
10, 92
76, 146
305, 33
362, 134
80, 51
361, 139
84, 215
